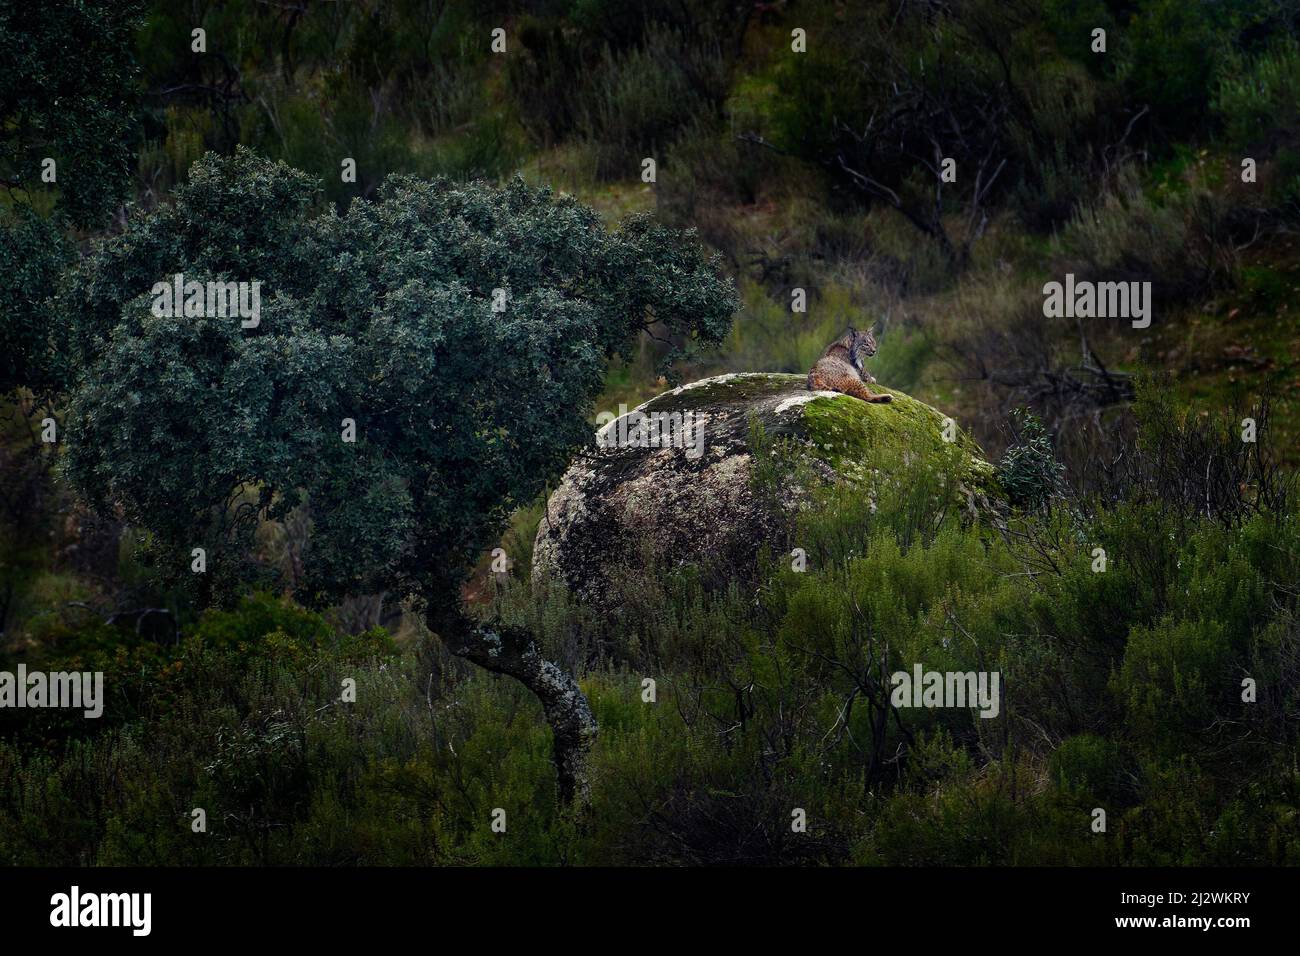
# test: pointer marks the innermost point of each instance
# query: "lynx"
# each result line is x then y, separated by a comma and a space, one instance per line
840, 367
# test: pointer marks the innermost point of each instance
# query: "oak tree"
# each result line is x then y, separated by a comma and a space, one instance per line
464, 329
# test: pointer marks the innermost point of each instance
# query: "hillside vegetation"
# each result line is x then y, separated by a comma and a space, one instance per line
1173, 157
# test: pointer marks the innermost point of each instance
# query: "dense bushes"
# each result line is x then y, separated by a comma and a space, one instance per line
634, 101
406, 88
1121, 689
1169, 56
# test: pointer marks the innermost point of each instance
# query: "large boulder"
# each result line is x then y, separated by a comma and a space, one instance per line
670, 481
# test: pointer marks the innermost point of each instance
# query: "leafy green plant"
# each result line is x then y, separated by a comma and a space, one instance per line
1029, 471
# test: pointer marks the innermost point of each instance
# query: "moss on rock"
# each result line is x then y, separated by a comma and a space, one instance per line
844, 432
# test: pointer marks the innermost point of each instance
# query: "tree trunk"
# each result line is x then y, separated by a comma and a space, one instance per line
514, 652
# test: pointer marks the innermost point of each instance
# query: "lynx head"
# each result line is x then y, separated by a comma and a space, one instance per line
861, 346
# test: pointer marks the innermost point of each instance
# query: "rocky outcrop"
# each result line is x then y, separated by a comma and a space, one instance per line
671, 481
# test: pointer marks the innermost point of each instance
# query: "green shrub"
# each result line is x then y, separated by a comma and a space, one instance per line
643, 98
1169, 52
1094, 767
1029, 471
1258, 99
1181, 245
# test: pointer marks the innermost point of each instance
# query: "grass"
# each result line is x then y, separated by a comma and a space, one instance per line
571, 168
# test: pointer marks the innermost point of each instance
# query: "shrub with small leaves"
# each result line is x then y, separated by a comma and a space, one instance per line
1029, 470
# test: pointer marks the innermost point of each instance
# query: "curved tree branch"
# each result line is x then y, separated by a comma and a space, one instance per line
514, 652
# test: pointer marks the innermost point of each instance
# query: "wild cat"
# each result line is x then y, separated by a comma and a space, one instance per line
840, 367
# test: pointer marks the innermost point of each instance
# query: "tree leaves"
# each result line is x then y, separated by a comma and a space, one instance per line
388, 315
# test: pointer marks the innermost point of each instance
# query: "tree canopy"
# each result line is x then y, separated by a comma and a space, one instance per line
197, 426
